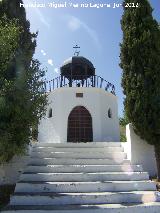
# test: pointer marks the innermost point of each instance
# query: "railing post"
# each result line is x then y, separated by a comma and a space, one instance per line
70, 82
86, 82
45, 86
101, 82
82, 82
57, 82
113, 89
53, 84
61, 80
64, 81
97, 80
50, 86
94, 81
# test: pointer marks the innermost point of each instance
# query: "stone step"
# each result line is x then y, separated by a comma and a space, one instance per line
83, 168
83, 198
100, 208
85, 177
79, 149
78, 145
108, 155
76, 161
110, 186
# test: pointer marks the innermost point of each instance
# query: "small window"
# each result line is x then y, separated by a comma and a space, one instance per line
109, 113
50, 113
79, 95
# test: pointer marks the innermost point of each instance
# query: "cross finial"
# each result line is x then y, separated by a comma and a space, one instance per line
76, 53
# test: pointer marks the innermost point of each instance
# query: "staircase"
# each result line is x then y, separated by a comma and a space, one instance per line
83, 177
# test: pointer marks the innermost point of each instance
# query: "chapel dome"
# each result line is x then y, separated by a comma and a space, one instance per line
77, 67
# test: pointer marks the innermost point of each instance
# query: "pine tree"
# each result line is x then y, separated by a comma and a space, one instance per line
23, 100
140, 61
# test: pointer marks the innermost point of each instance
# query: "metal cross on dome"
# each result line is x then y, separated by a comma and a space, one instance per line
76, 53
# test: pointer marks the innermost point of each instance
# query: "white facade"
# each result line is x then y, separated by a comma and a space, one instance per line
140, 152
96, 101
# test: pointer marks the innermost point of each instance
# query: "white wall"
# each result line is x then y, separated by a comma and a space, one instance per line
139, 151
96, 101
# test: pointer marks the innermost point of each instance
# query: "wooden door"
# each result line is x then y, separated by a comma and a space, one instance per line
79, 125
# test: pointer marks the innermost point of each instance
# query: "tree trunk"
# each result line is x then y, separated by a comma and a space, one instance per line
157, 155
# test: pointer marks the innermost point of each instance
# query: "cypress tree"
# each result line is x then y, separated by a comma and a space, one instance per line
23, 100
140, 61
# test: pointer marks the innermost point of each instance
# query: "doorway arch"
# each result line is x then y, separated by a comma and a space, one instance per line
79, 125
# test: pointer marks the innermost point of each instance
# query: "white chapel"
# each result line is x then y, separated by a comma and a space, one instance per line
82, 106
65, 175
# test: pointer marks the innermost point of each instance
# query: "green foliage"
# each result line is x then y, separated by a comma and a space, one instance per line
27, 42
5, 192
22, 102
123, 121
9, 43
140, 61
122, 138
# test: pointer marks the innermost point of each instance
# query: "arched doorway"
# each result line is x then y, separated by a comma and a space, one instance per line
79, 125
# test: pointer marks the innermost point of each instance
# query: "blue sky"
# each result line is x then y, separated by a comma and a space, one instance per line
97, 31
